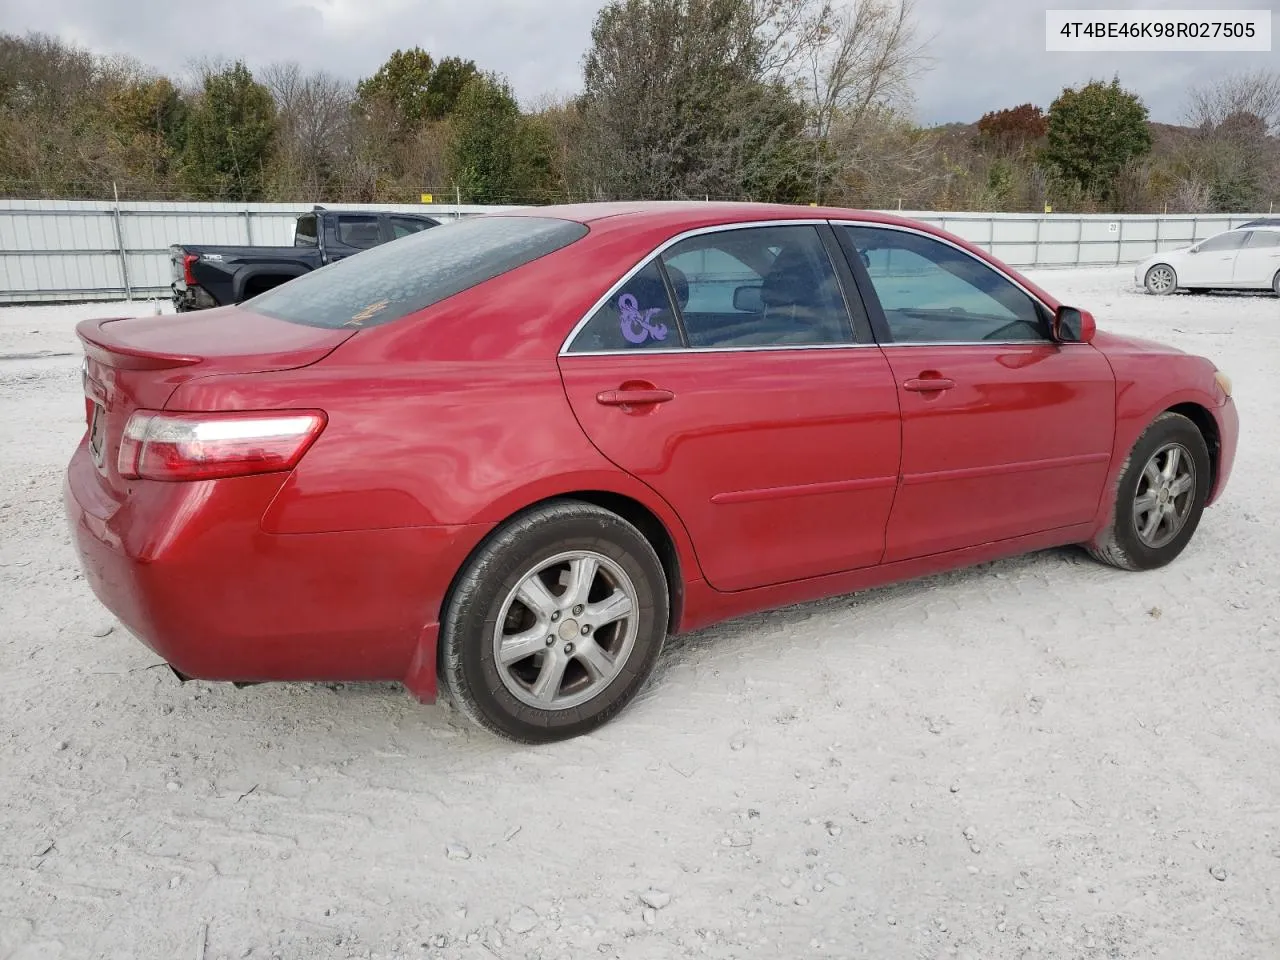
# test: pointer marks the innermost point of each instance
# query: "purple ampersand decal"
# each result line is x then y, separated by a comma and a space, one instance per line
635, 325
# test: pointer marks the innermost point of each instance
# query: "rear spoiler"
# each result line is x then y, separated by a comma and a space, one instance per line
102, 348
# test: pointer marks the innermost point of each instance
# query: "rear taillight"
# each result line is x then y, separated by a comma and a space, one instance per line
205, 446
84, 385
188, 261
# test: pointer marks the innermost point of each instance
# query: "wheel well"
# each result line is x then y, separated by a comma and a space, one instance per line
262, 282
635, 513
1208, 428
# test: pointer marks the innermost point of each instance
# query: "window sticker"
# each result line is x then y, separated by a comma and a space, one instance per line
635, 324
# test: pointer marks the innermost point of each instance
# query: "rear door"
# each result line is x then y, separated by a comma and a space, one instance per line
1258, 261
1004, 432
754, 409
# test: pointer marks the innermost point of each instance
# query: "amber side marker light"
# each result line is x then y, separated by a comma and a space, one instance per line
1223, 382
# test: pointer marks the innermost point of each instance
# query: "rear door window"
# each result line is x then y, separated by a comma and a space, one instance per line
360, 232
396, 279
403, 226
1264, 239
637, 316
758, 287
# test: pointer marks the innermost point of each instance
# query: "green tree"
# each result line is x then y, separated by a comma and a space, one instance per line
1094, 132
229, 136
534, 174
151, 110
145, 120
417, 87
448, 80
676, 104
496, 154
404, 81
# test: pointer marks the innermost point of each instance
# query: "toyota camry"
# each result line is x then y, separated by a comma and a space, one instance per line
512, 455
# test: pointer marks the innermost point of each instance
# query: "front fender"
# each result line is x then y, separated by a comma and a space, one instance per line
1138, 403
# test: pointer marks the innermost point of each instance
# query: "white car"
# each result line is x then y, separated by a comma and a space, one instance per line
1246, 258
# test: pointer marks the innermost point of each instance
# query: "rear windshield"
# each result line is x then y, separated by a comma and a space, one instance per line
403, 276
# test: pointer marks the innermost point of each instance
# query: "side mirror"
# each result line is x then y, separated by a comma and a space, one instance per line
1071, 325
748, 299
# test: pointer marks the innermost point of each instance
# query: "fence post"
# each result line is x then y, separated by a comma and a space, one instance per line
1120, 242
1035, 254
248, 226
124, 260
1079, 239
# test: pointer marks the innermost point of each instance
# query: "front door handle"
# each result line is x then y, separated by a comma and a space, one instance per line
928, 384
633, 398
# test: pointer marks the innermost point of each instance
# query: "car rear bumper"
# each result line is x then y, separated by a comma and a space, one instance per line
187, 298
188, 569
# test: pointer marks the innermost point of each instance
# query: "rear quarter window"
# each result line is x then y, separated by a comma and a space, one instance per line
396, 279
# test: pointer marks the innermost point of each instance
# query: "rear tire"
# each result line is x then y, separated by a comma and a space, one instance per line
1275, 284
1159, 497
555, 624
1161, 280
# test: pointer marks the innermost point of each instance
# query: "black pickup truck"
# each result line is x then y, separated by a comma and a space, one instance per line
206, 277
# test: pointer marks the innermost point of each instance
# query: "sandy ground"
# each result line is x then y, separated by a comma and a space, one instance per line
1037, 758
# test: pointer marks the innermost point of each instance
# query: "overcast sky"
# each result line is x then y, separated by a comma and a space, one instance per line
986, 54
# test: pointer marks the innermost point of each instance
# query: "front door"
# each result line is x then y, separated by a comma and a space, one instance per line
1004, 432
754, 410
1213, 263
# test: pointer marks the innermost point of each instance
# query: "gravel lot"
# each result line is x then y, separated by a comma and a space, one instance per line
1039, 757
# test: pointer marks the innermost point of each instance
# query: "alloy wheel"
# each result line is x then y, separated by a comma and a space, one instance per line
566, 630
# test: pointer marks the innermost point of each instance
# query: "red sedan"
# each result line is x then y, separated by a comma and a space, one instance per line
517, 452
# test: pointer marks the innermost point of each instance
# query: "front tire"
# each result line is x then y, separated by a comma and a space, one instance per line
1159, 497
1161, 280
1275, 283
555, 624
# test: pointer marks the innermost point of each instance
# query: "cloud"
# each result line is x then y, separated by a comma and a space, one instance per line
987, 54
538, 46
990, 54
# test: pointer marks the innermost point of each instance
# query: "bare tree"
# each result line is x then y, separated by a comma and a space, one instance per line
1256, 92
1234, 149
787, 31
883, 160
199, 69
314, 112
859, 70
1191, 195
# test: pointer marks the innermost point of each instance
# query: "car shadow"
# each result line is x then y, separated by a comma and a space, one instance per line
680, 647
342, 702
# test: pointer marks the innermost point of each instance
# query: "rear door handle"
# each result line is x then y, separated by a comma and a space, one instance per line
928, 384
627, 398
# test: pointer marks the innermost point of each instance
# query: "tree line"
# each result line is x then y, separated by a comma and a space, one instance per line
778, 100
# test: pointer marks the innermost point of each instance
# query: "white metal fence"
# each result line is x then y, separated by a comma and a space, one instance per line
72, 250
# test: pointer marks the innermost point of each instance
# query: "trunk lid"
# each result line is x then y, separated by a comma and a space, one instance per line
133, 363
